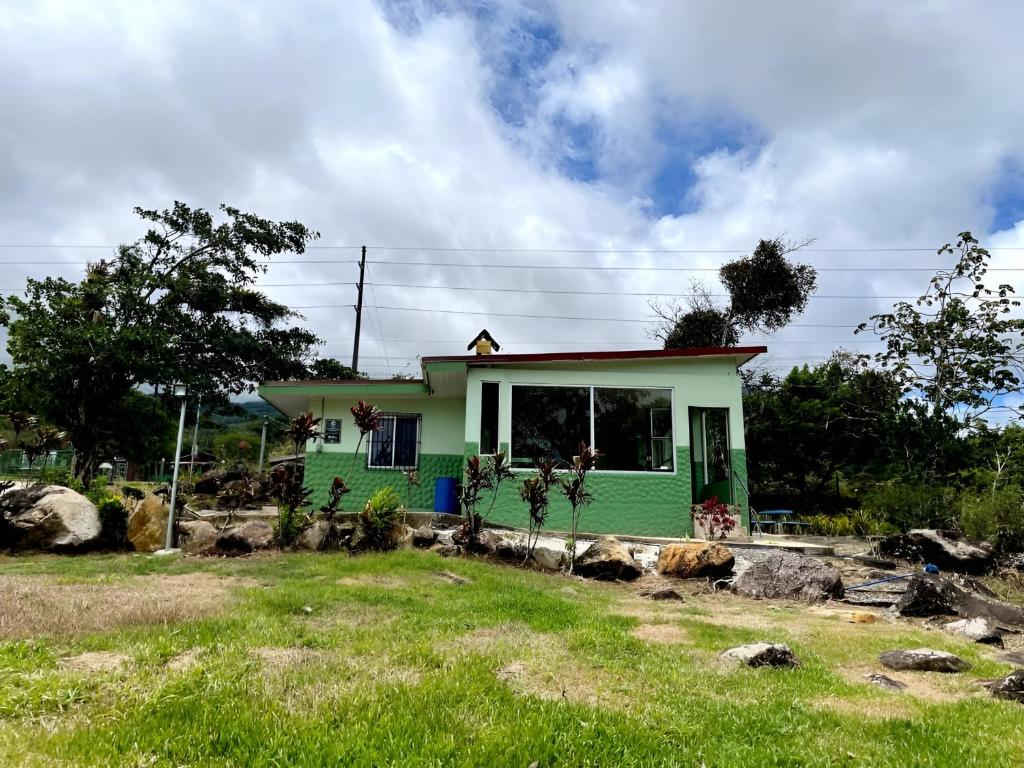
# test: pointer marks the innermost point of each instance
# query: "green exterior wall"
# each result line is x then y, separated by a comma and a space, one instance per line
640, 504
322, 468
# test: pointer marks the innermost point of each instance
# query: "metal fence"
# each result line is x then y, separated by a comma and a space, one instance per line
15, 463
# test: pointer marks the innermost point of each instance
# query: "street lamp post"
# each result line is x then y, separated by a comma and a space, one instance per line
179, 391
263, 443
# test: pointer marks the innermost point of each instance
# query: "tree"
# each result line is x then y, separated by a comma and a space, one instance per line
803, 429
958, 348
325, 368
178, 305
765, 291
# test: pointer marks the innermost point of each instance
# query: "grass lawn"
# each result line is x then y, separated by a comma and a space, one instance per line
378, 660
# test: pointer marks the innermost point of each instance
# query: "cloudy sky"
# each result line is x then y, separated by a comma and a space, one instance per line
644, 138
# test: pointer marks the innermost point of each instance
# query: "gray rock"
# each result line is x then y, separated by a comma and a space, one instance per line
248, 537
762, 655
979, 629
424, 537
923, 660
1010, 687
313, 535
453, 578
663, 593
608, 560
449, 550
196, 536
929, 594
549, 554
787, 575
949, 550
50, 518
882, 681
1011, 657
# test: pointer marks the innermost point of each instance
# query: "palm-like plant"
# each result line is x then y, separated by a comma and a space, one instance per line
574, 489
534, 491
302, 429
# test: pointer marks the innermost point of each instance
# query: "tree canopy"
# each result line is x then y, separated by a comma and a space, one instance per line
177, 305
765, 291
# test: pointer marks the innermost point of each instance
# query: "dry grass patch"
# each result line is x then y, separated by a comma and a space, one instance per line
929, 687
95, 662
38, 606
660, 634
284, 659
184, 661
384, 581
540, 664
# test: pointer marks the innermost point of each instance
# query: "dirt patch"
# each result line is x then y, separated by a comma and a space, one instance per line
274, 659
36, 606
651, 612
503, 638
566, 680
95, 662
384, 581
930, 687
891, 709
660, 634
184, 661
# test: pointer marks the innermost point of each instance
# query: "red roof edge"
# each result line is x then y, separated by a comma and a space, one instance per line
636, 354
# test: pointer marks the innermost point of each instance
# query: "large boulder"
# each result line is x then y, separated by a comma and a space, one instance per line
196, 536
929, 594
762, 655
781, 574
978, 629
147, 524
248, 537
688, 561
424, 537
609, 560
949, 550
50, 518
1010, 687
923, 660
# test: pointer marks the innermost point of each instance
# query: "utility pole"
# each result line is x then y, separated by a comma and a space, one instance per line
359, 314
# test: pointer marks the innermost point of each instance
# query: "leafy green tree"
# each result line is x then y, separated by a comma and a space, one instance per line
765, 291
805, 428
327, 368
959, 347
179, 304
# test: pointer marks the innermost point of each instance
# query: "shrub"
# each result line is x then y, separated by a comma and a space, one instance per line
575, 491
906, 505
863, 523
292, 497
715, 517
534, 491
997, 516
381, 514
113, 524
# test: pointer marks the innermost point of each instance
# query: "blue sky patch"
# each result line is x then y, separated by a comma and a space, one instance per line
1007, 196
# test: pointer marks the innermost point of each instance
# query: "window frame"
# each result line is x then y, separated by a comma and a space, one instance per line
394, 416
591, 387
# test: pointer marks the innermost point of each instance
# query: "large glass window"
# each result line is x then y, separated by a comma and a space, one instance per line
633, 429
548, 423
396, 444
489, 417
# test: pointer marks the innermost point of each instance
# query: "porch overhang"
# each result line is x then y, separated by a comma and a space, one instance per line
292, 397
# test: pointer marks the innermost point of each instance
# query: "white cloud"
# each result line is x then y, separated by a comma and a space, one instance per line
871, 125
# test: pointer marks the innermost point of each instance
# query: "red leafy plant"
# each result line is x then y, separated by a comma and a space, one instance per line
480, 477
302, 428
715, 517
575, 491
535, 492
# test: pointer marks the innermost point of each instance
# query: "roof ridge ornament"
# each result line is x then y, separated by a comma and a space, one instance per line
484, 343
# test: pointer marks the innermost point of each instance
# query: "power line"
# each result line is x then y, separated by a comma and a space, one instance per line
447, 249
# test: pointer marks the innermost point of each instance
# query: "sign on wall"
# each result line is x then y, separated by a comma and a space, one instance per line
332, 431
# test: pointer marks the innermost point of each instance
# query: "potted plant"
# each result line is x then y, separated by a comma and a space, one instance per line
714, 519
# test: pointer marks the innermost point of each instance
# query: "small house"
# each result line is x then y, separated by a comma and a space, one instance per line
669, 425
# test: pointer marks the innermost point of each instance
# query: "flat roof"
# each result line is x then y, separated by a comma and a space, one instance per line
634, 354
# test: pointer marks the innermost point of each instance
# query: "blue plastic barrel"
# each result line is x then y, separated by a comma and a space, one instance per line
444, 495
